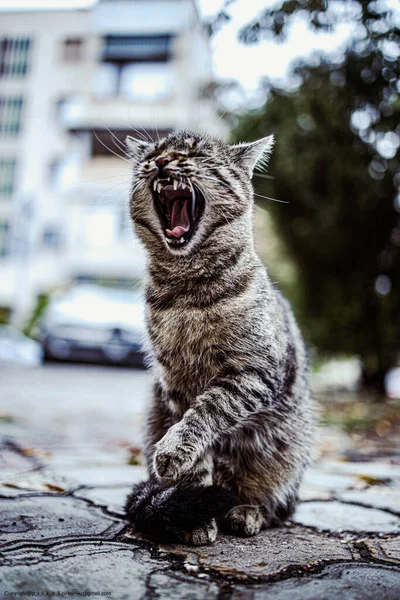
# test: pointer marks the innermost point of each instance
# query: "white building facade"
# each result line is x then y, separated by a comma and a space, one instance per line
73, 84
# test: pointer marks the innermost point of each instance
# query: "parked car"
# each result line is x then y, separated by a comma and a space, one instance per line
91, 323
17, 349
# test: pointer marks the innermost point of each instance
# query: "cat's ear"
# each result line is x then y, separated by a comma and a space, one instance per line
135, 147
248, 155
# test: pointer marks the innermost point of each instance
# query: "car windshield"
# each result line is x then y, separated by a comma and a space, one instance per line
103, 306
108, 294
121, 295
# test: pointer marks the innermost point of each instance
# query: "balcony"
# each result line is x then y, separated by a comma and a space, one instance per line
148, 48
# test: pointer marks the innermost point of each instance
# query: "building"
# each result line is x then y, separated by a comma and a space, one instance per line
73, 84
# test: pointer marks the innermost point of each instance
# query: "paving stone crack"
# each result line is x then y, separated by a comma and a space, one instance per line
10, 444
66, 494
361, 505
367, 556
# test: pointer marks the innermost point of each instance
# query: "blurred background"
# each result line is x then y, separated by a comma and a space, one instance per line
77, 77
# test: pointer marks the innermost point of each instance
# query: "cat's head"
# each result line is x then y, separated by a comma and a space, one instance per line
188, 187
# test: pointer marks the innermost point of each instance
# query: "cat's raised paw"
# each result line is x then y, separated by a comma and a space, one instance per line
203, 536
244, 521
170, 465
172, 457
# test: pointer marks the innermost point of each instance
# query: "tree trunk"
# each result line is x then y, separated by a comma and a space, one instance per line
373, 378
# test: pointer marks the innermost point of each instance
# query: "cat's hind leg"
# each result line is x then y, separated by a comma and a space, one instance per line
265, 483
204, 535
248, 519
245, 520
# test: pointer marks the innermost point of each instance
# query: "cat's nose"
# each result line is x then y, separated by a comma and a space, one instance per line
161, 161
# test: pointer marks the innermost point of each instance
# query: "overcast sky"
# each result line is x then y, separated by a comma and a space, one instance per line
233, 60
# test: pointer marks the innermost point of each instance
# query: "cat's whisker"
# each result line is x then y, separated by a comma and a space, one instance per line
157, 134
146, 133
104, 194
218, 181
221, 214
273, 199
146, 138
263, 176
117, 142
102, 179
109, 149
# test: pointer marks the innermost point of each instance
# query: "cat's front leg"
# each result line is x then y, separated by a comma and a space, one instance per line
222, 409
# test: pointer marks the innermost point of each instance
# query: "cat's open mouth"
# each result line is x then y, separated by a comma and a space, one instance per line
179, 205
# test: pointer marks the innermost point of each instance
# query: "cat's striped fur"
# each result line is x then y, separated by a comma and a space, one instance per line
231, 407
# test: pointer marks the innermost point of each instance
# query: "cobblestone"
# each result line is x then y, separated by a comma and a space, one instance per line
66, 472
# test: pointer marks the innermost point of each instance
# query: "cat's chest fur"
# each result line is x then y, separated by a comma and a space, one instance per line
186, 343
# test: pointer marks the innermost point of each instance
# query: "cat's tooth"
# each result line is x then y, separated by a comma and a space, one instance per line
175, 184
155, 185
159, 187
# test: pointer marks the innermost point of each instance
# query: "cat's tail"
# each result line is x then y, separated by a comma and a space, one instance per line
169, 513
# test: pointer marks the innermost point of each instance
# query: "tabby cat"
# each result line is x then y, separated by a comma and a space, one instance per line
231, 424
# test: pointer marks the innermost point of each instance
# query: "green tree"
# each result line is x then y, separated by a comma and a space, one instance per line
336, 163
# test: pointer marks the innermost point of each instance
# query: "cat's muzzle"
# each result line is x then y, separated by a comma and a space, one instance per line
179, 204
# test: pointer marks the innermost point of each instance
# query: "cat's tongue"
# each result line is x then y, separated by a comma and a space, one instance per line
177, 231
180, 221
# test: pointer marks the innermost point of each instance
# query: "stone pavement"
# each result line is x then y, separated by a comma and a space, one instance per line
68, 461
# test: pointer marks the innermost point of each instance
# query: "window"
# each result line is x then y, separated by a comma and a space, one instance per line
107, 80
7, 176
10, 115
136, 81
54, 174
14, 57
138, 48
4, 230
146, 81
70, 110
135, 66
72, 50
51, 238
63, 173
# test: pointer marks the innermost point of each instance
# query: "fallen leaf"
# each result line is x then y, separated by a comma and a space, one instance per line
4, 418
26, 485
135, 455
28, 451
54, 488
34, 486
373, 480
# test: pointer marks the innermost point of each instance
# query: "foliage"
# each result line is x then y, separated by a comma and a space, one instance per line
5, 312
31, 328
337, 163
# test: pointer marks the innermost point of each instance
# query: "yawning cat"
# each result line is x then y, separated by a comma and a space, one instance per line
231, 424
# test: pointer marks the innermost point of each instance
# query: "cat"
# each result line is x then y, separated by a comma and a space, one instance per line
231, 424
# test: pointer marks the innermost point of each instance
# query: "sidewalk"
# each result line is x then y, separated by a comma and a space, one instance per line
68, 462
